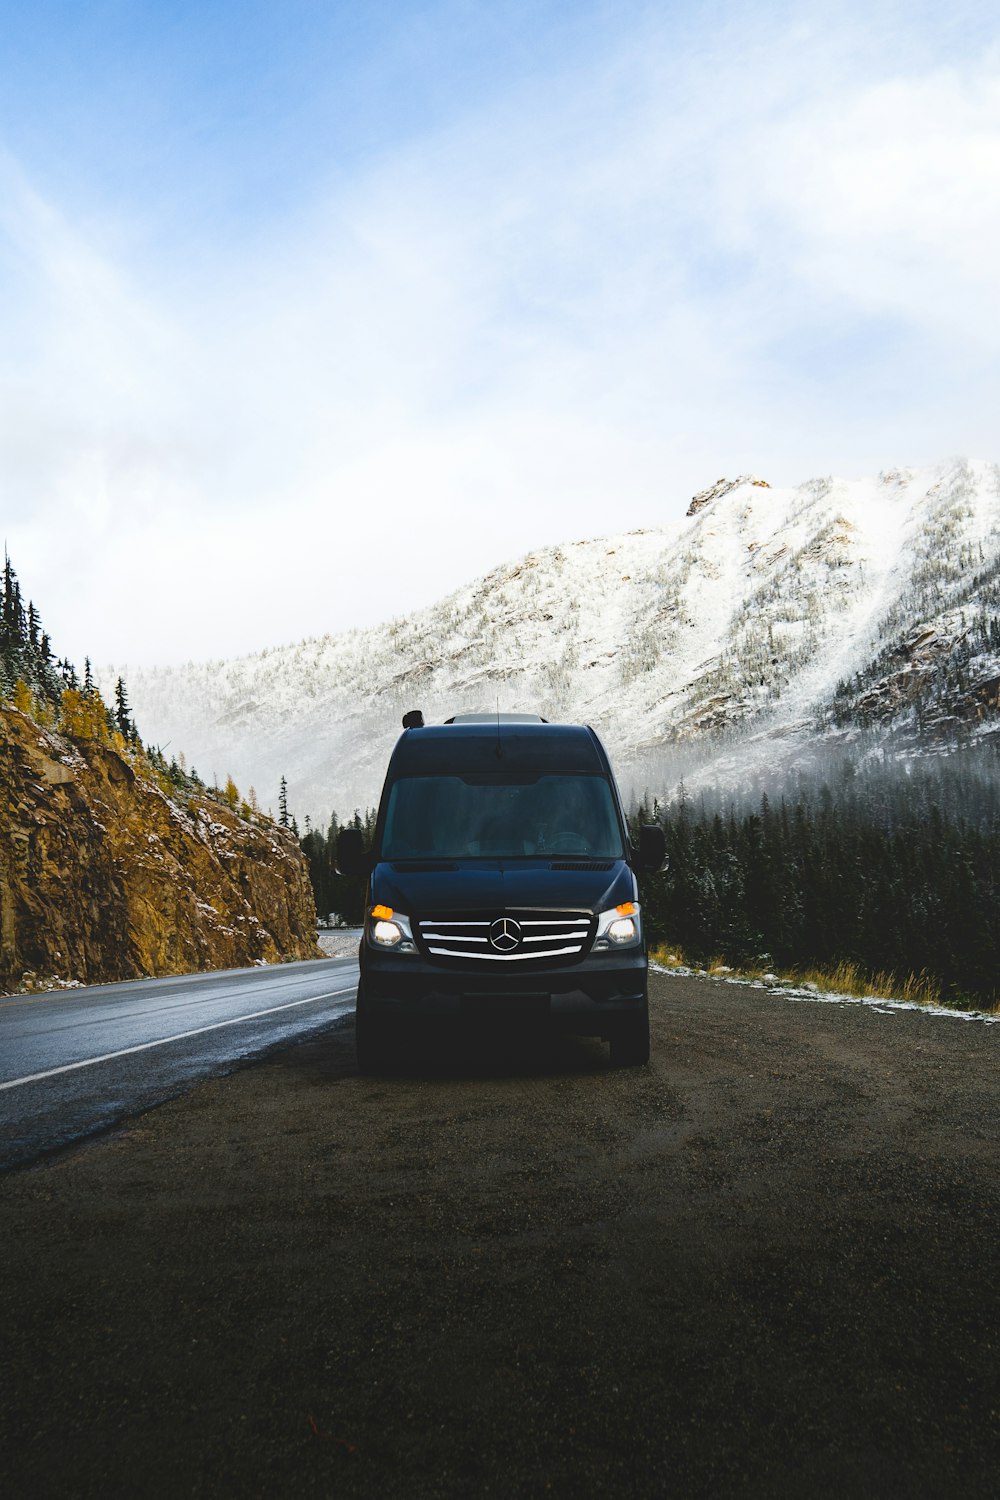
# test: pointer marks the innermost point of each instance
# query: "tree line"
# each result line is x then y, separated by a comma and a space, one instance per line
894, 867
49, 690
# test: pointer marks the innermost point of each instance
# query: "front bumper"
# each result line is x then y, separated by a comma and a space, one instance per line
588, 997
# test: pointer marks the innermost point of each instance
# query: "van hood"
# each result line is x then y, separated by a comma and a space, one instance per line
495, 886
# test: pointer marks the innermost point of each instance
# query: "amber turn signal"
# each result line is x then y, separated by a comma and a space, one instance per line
384, 913
626, 909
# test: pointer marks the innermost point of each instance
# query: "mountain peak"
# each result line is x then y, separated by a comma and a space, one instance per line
722, 487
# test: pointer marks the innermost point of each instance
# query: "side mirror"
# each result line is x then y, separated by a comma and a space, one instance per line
652, 850
352, 857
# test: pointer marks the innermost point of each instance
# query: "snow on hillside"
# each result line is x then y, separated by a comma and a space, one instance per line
765, 617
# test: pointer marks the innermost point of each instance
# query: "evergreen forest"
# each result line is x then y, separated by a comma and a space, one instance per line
894, 867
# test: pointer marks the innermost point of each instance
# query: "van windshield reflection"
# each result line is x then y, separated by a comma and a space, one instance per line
456, 817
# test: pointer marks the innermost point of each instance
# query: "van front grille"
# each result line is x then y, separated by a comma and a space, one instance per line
509, 937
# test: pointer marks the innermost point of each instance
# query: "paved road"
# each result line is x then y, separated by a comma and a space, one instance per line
75, 1062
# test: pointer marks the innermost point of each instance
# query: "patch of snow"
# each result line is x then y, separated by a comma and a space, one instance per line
811, 992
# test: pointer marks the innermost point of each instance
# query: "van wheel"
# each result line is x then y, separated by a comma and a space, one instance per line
372, 1043
630, 1041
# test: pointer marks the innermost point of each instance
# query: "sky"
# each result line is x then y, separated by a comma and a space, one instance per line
312, 311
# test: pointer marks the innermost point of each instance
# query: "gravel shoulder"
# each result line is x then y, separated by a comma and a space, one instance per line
764, 1266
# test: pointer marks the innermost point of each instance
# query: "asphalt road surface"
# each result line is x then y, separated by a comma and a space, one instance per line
74, 1062
766, 1265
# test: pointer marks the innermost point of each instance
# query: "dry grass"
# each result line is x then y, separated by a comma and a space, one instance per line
848, 978
844, 978
670, 956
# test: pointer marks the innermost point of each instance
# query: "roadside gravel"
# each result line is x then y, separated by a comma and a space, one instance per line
764, 1266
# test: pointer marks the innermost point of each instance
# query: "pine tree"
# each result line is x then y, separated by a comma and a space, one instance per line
48, 680
283, 803
13, 633
123, 717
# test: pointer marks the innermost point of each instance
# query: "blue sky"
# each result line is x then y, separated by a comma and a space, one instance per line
309, 312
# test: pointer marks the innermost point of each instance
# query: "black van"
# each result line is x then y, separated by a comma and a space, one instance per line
501, 884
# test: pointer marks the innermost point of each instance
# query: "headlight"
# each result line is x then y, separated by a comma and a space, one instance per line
390, 929
619, 927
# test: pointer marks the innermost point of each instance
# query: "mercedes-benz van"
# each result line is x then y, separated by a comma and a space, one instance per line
501, 885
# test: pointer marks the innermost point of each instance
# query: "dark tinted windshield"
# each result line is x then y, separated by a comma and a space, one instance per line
454, 817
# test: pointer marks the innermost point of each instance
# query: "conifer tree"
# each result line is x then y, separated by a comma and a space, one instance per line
48, 680
283, 803
123, 717
13, 634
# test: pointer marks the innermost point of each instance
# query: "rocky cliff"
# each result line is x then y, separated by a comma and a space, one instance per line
107, 875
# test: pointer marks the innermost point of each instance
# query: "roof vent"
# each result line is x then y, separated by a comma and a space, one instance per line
414, 719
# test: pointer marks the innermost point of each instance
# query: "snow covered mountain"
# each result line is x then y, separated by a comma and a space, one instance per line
765, 619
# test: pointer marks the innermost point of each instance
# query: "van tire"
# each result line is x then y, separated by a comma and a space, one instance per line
630, 1041
372, 1043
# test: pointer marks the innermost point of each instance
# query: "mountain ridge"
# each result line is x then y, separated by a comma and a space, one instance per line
768, 616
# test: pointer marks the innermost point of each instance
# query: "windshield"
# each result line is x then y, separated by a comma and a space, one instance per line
457, 817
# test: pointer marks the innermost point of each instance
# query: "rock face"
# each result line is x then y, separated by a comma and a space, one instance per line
103, 876
722, 487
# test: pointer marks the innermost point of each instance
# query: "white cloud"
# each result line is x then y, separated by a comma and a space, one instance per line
888, 199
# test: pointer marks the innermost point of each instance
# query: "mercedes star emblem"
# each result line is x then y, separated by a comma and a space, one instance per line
505, 934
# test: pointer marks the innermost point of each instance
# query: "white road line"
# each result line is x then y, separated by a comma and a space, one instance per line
178, 1036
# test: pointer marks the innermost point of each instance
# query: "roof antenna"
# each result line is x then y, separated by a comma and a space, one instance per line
499, 751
